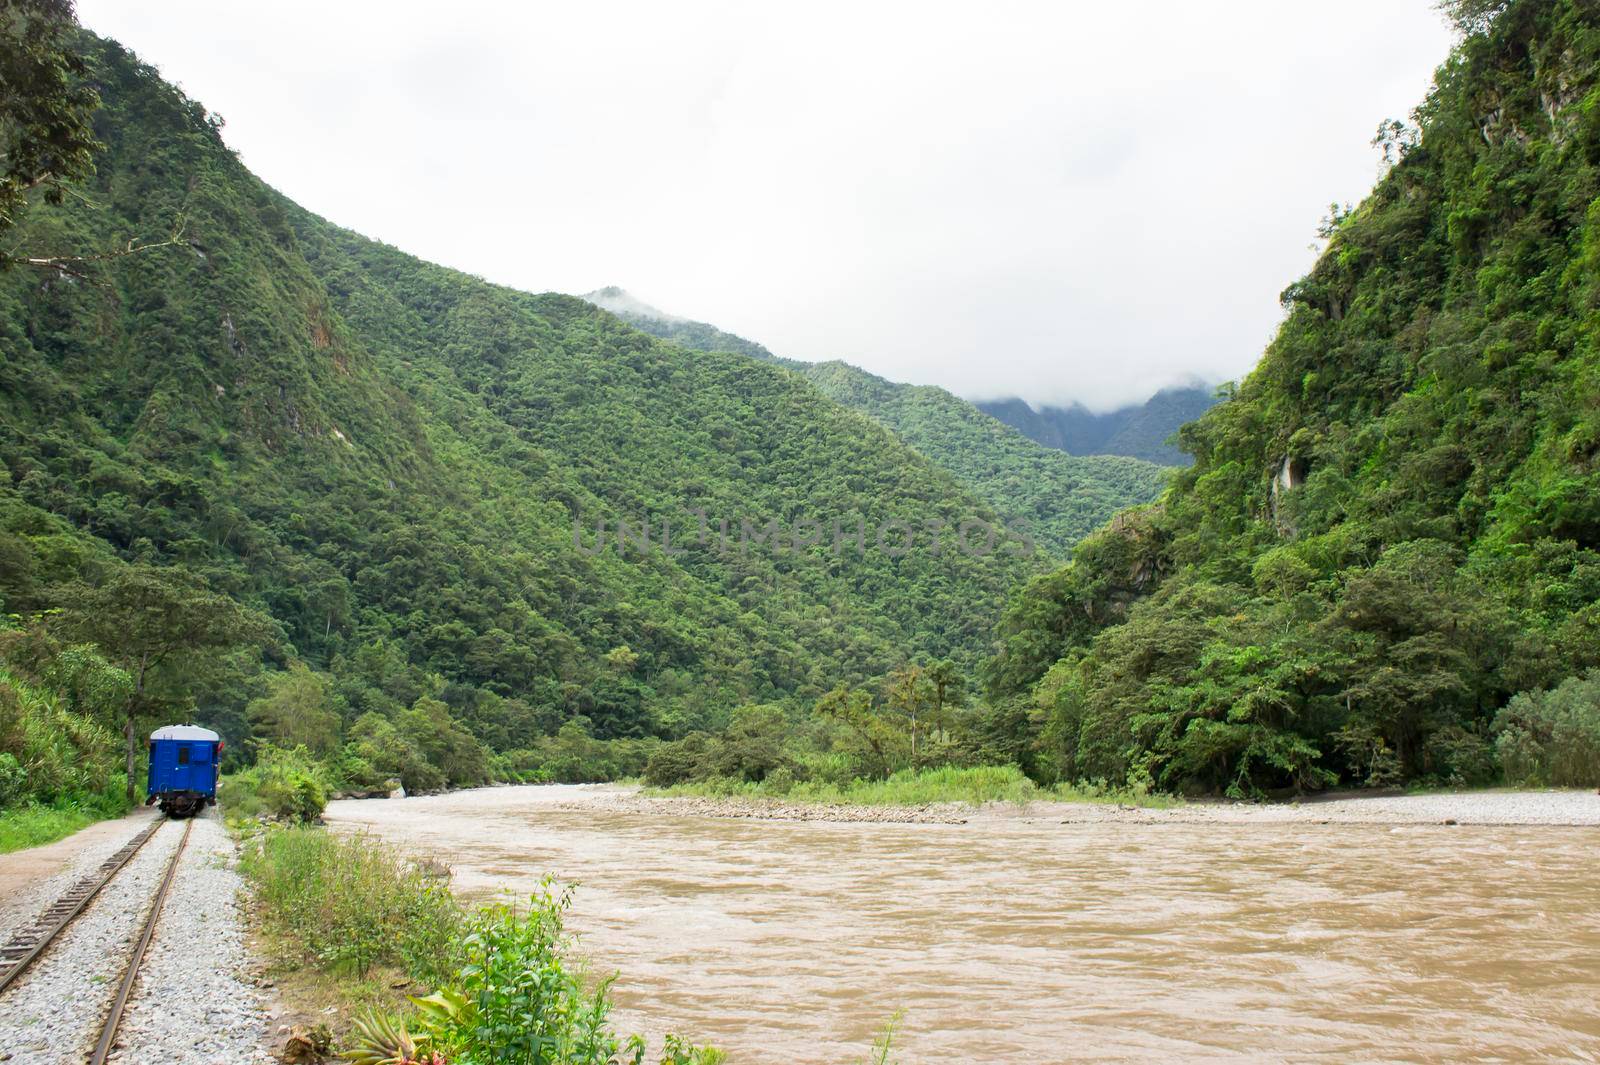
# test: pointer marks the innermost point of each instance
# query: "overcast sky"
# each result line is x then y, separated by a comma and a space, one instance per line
1064, 201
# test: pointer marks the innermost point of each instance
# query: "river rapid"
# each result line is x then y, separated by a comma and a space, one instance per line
1014, 938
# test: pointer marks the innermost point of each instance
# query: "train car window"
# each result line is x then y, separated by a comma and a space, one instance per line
183, 756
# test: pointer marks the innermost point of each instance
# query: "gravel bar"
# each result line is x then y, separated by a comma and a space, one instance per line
945, 813
1555, 807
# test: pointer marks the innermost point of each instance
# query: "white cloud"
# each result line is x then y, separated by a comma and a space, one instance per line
1063, 201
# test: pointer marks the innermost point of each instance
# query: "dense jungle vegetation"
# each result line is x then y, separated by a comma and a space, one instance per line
360, 512
1392, 526
1059, 498
374, 486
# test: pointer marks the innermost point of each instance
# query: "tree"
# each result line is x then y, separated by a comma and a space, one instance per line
752, 745
444, 743
623, 659
46, 139
909, 694
1473, 16
853, 710
149, 621
297, 711
949, 690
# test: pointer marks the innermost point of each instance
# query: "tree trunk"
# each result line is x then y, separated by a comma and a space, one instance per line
127, 734
127, 728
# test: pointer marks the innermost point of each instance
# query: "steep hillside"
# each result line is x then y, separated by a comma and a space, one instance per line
406, 467
1061, 498
1141, 430
1394, 524
699, 336
1058, 498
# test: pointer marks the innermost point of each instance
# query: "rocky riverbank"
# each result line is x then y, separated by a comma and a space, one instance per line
633, 801
1554, 807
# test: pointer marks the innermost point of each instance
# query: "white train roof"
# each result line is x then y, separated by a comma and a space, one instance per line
184, 732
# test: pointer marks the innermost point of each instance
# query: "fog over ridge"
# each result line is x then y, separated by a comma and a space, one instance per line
1045, 202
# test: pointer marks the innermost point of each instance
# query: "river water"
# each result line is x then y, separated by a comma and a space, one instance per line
1026, 940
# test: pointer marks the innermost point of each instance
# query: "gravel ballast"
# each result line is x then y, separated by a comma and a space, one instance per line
190, 1005
23, 901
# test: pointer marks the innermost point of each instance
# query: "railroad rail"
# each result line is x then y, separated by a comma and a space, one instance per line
30, 944
108, 1028
26, 946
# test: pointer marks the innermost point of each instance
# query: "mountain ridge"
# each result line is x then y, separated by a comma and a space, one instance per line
1057, 497
404, 467
1387, 551
1141, 430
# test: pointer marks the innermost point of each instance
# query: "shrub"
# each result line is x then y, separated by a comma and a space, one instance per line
675, 763
1552, 737
753, 743
377, 751
459, 759
13, 781
780, 781
517, 1000
286, 784
347, 904
1460, 758
47, 752
909, 787
572, 756
36, 824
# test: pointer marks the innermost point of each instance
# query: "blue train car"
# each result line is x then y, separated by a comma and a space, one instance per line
185, 762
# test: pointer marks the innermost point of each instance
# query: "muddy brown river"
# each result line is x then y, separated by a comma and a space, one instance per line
1011, 939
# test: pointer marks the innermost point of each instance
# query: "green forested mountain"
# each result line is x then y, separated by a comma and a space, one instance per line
404, 468
1059, 498
1140, 430
700, 336
1393, 525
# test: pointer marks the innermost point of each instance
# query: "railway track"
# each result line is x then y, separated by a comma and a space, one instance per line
32, 943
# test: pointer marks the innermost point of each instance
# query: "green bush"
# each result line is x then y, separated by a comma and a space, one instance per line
517, 1000
13, 781
448, 749
1460, 758
1552, 737
752, 746
377, 752
48, 752
909, 787
35, 824
285, 784
573, 756
347, 904
675, 763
